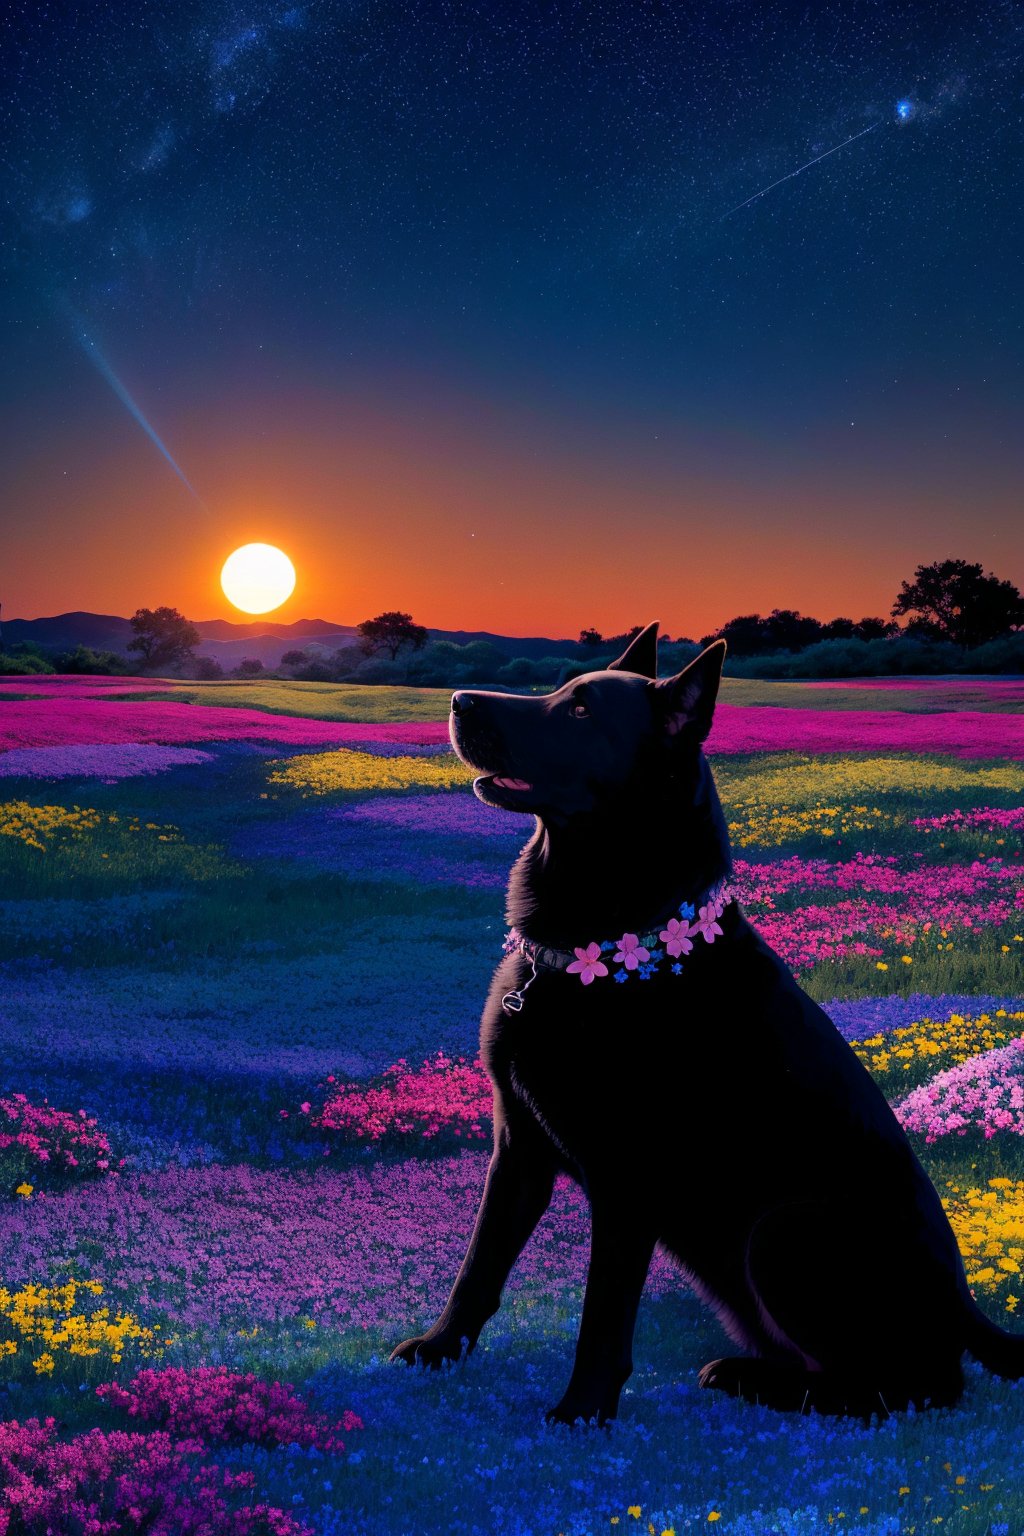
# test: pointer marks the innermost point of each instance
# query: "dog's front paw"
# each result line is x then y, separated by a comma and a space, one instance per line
721, 1375
574, 1407
431, 1350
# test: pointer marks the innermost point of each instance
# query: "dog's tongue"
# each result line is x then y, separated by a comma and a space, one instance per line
512, 783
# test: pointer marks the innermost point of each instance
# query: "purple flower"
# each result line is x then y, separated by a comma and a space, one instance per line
588, 964
676, 937
707, 922
631, 951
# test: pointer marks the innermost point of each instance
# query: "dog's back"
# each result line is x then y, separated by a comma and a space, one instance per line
696, 1092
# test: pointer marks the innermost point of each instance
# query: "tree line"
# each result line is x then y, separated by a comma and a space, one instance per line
957, 618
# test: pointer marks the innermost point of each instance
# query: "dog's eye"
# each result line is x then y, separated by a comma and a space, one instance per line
578, 709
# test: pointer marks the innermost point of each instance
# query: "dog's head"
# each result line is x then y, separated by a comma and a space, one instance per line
593, 743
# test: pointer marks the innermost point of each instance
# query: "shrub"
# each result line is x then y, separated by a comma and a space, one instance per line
521, 669
209, 1402
379, 669
139, 1482
37, 1140
315, 671
1003, 655
22, 664
84, 660
852, 658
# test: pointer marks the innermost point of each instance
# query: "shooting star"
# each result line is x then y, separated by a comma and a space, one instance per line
834, 150
99, 362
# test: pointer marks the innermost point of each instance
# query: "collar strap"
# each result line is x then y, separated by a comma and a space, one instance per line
643, 953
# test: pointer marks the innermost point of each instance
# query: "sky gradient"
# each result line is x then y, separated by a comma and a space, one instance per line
451, 303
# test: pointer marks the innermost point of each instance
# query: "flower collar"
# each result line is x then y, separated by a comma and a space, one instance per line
639, 952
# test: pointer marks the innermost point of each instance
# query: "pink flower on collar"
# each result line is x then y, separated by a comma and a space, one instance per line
676, 937
707, 922
587, 964
631, 951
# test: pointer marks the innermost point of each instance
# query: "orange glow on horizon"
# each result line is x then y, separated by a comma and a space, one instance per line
470, 520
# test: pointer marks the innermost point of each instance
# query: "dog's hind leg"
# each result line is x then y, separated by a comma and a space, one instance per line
813, 1268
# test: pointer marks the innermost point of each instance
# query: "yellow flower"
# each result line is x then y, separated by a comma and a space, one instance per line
324, 773
24, 1190
880, 965
33, 825
907, 959
51, 1316
715, 1514
634, 1510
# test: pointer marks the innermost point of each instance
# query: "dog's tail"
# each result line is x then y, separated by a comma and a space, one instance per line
997, 1350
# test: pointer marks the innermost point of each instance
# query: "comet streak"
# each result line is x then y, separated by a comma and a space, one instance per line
799, 168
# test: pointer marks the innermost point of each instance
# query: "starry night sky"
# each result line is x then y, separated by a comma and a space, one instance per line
458, 304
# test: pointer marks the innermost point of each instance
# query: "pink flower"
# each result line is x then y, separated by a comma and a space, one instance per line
588, 964
707, 922
676, 937
631, 951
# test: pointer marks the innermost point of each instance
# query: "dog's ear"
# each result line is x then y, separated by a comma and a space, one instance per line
640, 655
686, 702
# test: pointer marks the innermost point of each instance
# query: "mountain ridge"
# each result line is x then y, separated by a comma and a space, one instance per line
265, 639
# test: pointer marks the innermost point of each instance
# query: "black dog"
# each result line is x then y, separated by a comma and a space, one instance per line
708, 1103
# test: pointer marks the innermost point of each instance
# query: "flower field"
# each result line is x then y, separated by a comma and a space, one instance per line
246, 931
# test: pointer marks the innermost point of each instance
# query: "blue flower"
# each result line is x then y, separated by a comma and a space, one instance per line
608, 944
677, 969
656, 955
687, 910
621, 975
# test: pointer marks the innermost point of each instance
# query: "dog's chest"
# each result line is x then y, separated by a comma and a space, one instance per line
580, 1065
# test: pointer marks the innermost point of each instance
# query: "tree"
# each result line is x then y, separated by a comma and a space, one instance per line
787, 630
249, 666
839, 629
744, 634
293, 658
208, 669
590, 637
163, 637
617, 643
955, 601
390, 632
875, 629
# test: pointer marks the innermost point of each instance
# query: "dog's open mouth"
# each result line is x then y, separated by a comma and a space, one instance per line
500, 789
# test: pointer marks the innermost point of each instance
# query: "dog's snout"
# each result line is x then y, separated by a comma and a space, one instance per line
461, 702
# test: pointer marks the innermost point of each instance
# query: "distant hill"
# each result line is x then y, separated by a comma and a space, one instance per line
228, 643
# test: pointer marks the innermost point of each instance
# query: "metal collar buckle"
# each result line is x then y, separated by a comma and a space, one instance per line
513, 1001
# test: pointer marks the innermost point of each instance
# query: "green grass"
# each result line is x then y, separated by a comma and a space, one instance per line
318, 701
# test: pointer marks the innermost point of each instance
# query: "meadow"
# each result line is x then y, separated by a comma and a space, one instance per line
246, 930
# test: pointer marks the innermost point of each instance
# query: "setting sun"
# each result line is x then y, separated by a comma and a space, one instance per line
257, 578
